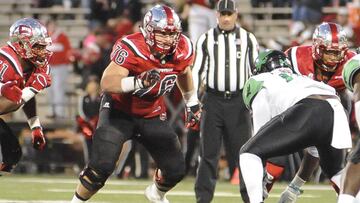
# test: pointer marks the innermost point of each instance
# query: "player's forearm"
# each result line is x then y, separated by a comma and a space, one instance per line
186, 86
7, 106
29, 108
111, 84
116, 84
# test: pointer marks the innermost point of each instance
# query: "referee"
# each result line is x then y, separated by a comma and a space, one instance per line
224, 58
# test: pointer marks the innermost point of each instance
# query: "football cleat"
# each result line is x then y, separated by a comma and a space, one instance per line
154, 195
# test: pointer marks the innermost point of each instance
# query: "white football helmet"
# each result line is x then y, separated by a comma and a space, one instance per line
161, 19
29, 38
329, 38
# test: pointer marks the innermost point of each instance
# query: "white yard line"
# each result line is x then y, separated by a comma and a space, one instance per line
171, 193
37, 201
75, 181
134, 182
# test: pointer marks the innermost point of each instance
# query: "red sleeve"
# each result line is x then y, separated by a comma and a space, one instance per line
7, 71
186, 51
123, 56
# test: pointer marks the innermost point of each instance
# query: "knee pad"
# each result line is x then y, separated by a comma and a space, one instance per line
91, 179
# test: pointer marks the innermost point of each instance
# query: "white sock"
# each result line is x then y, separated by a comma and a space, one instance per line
298, 182
252, 171
75, 199
345, 198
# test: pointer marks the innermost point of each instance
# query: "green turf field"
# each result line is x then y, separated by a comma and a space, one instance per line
59, 189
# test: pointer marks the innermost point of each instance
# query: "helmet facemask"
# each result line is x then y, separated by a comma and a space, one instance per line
40, 54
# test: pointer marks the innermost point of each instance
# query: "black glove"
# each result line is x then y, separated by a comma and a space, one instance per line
148, 78
192, 117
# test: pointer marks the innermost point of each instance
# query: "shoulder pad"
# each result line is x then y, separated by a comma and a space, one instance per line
350, 68
251, 88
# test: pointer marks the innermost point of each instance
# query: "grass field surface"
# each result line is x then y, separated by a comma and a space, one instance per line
60, 189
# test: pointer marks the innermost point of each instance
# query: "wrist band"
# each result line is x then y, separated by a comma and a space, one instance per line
34, 122
190, 98
130, 84
27, 94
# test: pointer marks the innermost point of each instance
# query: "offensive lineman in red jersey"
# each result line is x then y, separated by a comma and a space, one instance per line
321, 61
144, 67
24, 72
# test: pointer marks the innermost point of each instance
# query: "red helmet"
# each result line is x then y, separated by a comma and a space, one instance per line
29, 39
329, 39
161, 19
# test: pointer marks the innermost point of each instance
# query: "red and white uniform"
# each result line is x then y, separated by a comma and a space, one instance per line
133, 54
303, 63
11, 69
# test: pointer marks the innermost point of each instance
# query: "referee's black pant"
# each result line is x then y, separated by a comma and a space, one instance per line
225, 118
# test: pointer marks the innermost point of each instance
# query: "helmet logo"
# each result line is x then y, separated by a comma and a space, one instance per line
25, 30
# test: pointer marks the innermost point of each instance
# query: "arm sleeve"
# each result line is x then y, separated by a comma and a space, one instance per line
261, 110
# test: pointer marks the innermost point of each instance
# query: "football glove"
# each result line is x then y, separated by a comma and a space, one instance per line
148, 78
192, 117
10, 91
38, 81
38, 138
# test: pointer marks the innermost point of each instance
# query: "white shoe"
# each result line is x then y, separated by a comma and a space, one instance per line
290, 194
154, 195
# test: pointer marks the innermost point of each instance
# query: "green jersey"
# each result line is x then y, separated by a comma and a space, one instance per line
350, 68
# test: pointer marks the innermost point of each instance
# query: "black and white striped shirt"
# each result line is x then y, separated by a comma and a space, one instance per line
224, 59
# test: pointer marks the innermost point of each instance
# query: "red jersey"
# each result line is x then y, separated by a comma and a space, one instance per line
61, 49
11, 68
303, 63
132, 53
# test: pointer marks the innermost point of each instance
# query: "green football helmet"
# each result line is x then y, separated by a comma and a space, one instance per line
270, 60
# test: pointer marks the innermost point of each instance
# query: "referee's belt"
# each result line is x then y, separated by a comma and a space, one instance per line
224, 94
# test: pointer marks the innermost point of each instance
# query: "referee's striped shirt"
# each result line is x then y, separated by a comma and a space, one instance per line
224, 59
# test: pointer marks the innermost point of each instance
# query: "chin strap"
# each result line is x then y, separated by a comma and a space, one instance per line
319, 63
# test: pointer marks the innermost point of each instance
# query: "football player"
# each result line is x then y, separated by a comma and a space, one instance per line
24, 72
351, 184
322, 61
145, 66
291, 112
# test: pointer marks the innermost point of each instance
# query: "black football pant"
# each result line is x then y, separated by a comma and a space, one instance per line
223, 119
10, 147
157, 136
308, 123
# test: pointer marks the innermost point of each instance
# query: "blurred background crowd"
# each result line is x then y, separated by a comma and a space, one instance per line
83, 33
